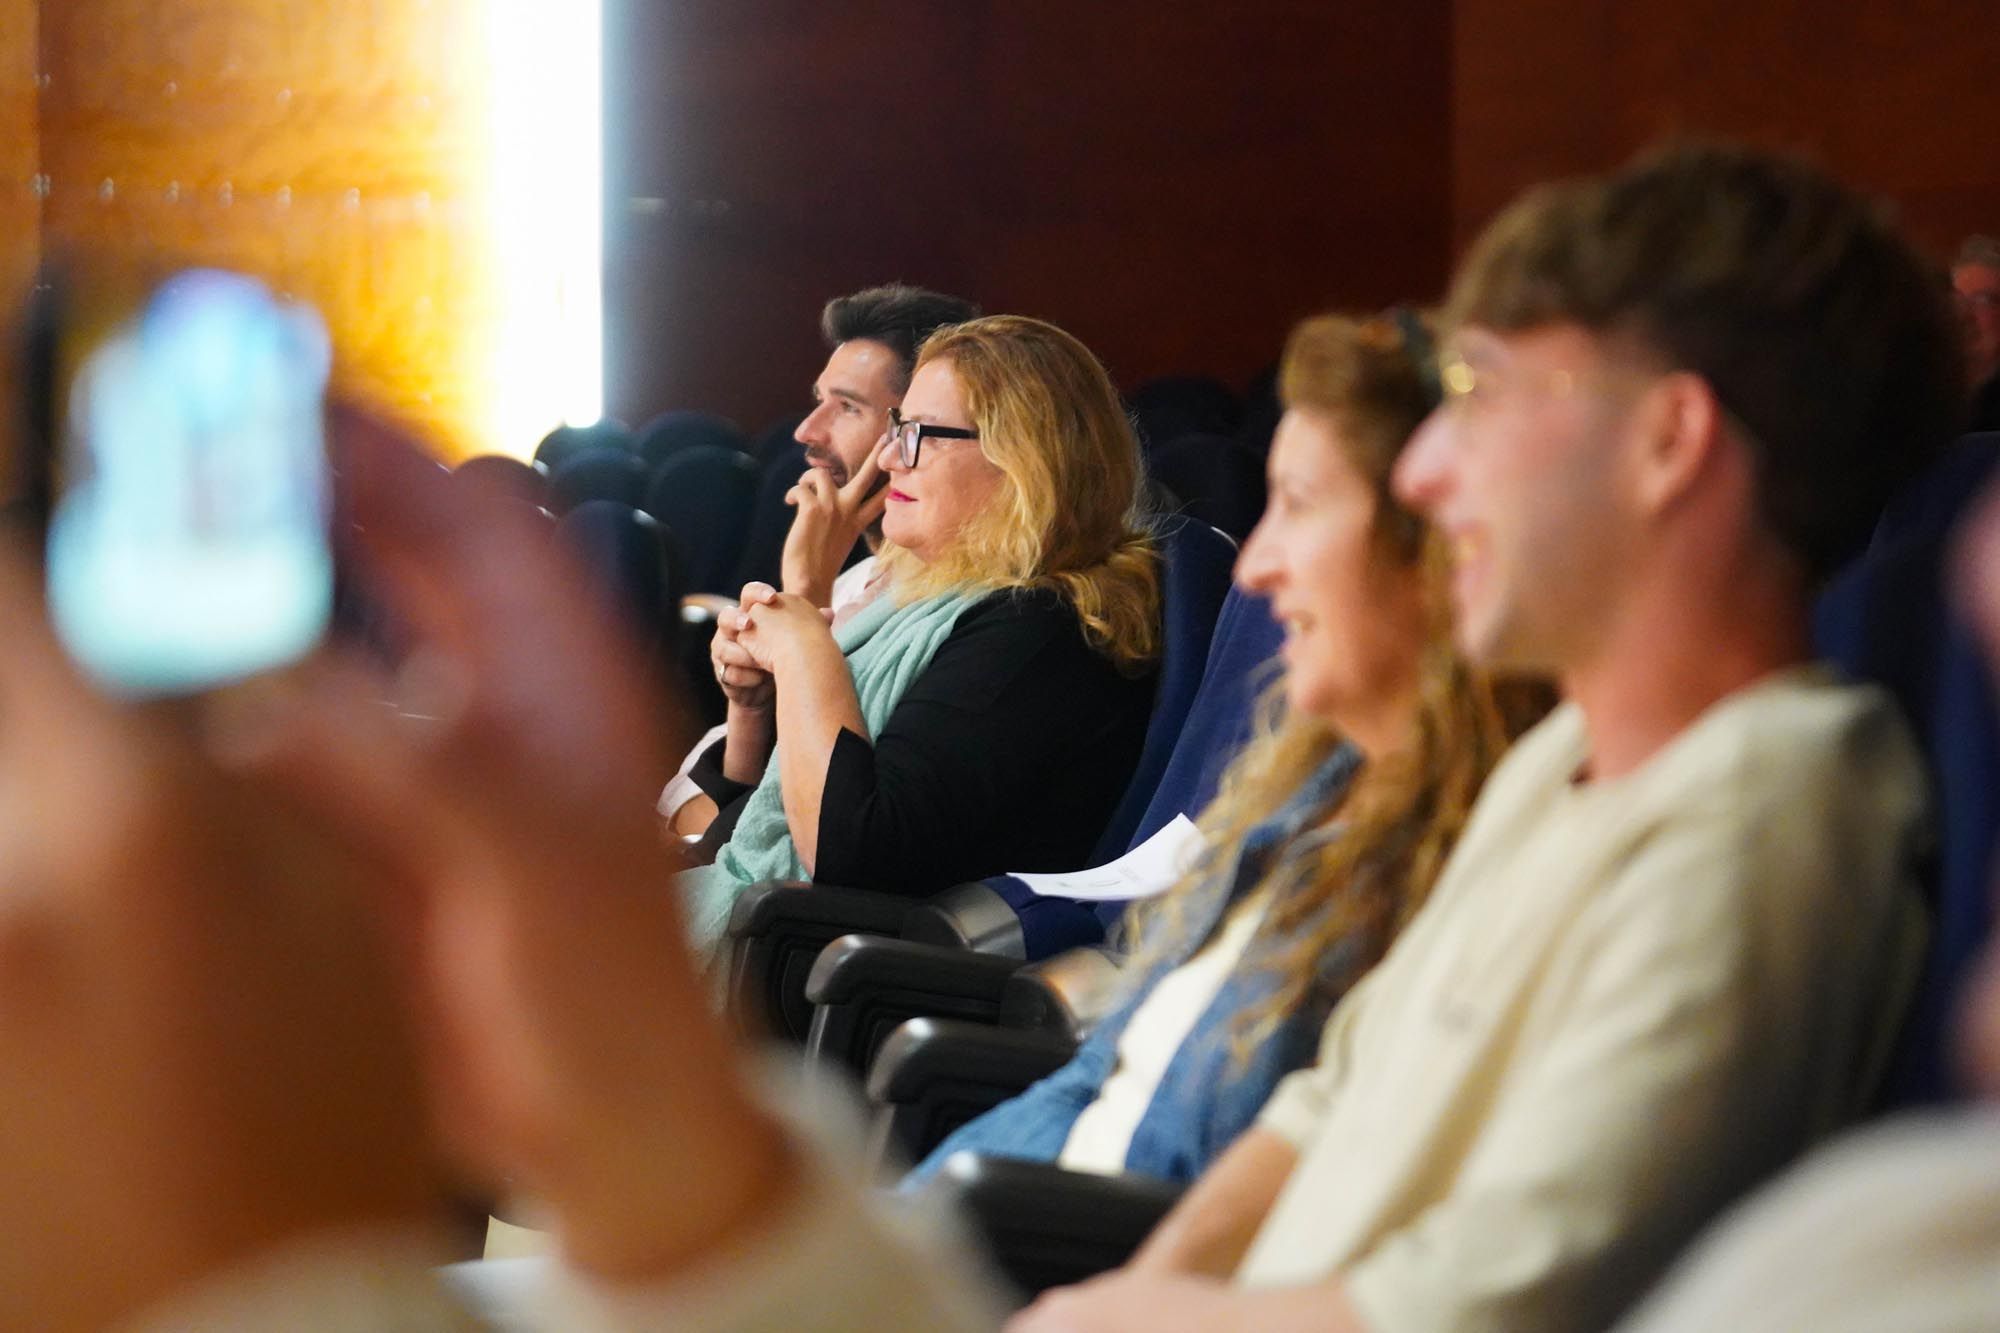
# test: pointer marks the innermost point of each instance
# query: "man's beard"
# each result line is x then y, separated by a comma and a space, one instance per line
830, 463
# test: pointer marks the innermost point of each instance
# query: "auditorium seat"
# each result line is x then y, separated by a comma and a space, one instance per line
770, 517
520, 480
1214, 479
1171, 406
670, 432
1890, 617
637, 569
565, 442
704, 493
775, 438
596, 474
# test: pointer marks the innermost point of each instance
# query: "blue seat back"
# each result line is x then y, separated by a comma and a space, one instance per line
775, 438
1889, 618
521, 480
566, 442
1175, 405
1216, 724
1241, 659
1196, 562
635, 567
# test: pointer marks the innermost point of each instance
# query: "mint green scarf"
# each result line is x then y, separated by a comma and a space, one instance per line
887, 647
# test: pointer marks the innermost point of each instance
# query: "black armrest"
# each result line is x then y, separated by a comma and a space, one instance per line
969, 916
1048, 1227
925, 1052
776, 932
1067, 994
864, 986
933, 1075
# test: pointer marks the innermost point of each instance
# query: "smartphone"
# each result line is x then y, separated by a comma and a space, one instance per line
187, 541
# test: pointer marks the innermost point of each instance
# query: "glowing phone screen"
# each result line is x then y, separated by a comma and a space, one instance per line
188, 543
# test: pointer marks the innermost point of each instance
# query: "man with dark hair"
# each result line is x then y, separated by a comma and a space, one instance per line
896, 315
872, 337
1975, 288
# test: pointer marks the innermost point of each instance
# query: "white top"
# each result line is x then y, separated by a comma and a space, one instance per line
850, 591
1102, 1135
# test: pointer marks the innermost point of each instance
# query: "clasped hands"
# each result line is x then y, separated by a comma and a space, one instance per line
764, 629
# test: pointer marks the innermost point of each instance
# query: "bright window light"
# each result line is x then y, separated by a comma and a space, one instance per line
547, 180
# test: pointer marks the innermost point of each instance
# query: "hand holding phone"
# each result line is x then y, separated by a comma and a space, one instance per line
188, 544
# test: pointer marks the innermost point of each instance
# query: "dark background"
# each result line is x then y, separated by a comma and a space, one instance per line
1176, 183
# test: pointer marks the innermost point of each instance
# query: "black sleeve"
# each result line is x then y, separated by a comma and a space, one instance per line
980, 761
706, 773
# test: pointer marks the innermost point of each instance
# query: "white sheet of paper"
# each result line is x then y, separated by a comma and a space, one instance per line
1151, 868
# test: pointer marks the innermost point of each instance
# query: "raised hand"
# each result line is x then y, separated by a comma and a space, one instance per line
830, 520
567, 1038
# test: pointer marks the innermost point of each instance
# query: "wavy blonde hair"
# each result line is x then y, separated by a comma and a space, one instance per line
1336, 905
1066, 515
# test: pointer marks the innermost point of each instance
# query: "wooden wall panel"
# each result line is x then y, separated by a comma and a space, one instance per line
1174, 183
20, 202
335, 149
1903, 99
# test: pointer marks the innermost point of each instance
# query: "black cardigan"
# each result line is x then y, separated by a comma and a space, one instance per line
1008, 752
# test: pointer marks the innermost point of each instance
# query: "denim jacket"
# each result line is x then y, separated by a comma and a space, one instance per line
1206, 1097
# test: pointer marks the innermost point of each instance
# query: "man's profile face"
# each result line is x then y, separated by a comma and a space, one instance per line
1518, 472
1976, 291
851, 398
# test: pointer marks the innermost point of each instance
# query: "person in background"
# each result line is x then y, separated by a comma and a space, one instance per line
1975, 287
1330, 827
872, 338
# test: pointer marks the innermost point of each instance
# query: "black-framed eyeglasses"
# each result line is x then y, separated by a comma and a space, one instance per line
909, 436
